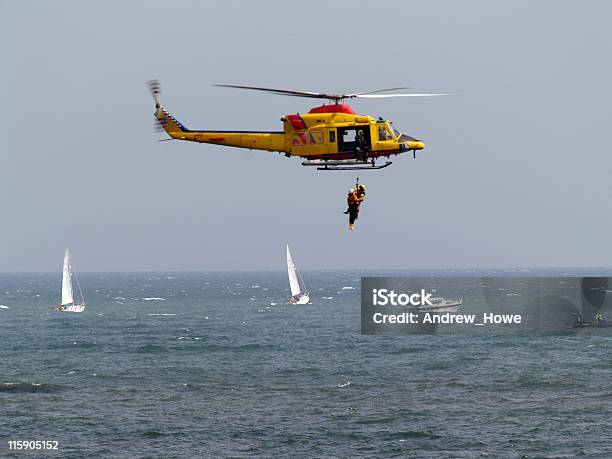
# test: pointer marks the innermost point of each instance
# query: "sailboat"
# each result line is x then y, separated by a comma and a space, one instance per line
299, 295
68, 304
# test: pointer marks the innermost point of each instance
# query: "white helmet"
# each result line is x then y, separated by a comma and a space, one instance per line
350, 190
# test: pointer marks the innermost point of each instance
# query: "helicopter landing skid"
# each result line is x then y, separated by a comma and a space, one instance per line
344, 165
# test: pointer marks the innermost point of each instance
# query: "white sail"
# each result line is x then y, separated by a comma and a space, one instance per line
67, 281
293, 280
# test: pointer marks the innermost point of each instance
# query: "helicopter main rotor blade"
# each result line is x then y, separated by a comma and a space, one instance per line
334, 97
377, 91
282, 92
372, 96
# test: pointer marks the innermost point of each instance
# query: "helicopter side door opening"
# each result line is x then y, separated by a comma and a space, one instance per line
347, 138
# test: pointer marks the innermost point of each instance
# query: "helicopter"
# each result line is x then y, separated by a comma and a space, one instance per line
330, 137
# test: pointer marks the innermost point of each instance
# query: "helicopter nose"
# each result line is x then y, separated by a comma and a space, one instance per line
415, 145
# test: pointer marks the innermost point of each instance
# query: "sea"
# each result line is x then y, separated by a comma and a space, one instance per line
217, 364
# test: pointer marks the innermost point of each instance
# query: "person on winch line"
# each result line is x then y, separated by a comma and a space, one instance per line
353, 208
354, 199
360, 193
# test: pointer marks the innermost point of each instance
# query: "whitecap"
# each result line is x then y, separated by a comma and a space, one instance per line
328, 297
348, 288
4, 307
154, 298
346, 384
273, 304
184, 337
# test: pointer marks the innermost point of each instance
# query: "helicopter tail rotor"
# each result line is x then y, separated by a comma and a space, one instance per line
164, 121
155, 88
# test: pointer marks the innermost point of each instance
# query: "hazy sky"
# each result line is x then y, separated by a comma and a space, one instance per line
517, 170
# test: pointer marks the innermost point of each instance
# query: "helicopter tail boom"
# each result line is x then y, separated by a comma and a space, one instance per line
254, 140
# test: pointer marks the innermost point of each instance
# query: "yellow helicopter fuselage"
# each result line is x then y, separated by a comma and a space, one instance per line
325, 133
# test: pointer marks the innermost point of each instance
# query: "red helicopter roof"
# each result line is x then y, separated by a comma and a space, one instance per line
334, 108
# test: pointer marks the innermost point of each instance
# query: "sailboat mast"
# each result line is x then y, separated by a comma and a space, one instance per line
79, 286
293, 280
302, 280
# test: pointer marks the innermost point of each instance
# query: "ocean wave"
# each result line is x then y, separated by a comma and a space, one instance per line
154, 298
160, 314
348, 288
410, 434
2, 306
27, 388
151, 349
535, 381
408, 350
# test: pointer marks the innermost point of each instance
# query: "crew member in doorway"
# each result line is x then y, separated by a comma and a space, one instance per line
361, 146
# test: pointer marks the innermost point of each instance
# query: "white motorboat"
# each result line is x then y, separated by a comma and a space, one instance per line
442, 305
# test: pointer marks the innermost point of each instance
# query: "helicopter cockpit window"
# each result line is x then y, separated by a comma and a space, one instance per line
383, 133
395, 131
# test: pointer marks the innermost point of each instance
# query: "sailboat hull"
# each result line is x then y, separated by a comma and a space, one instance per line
302, 298
70, 308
